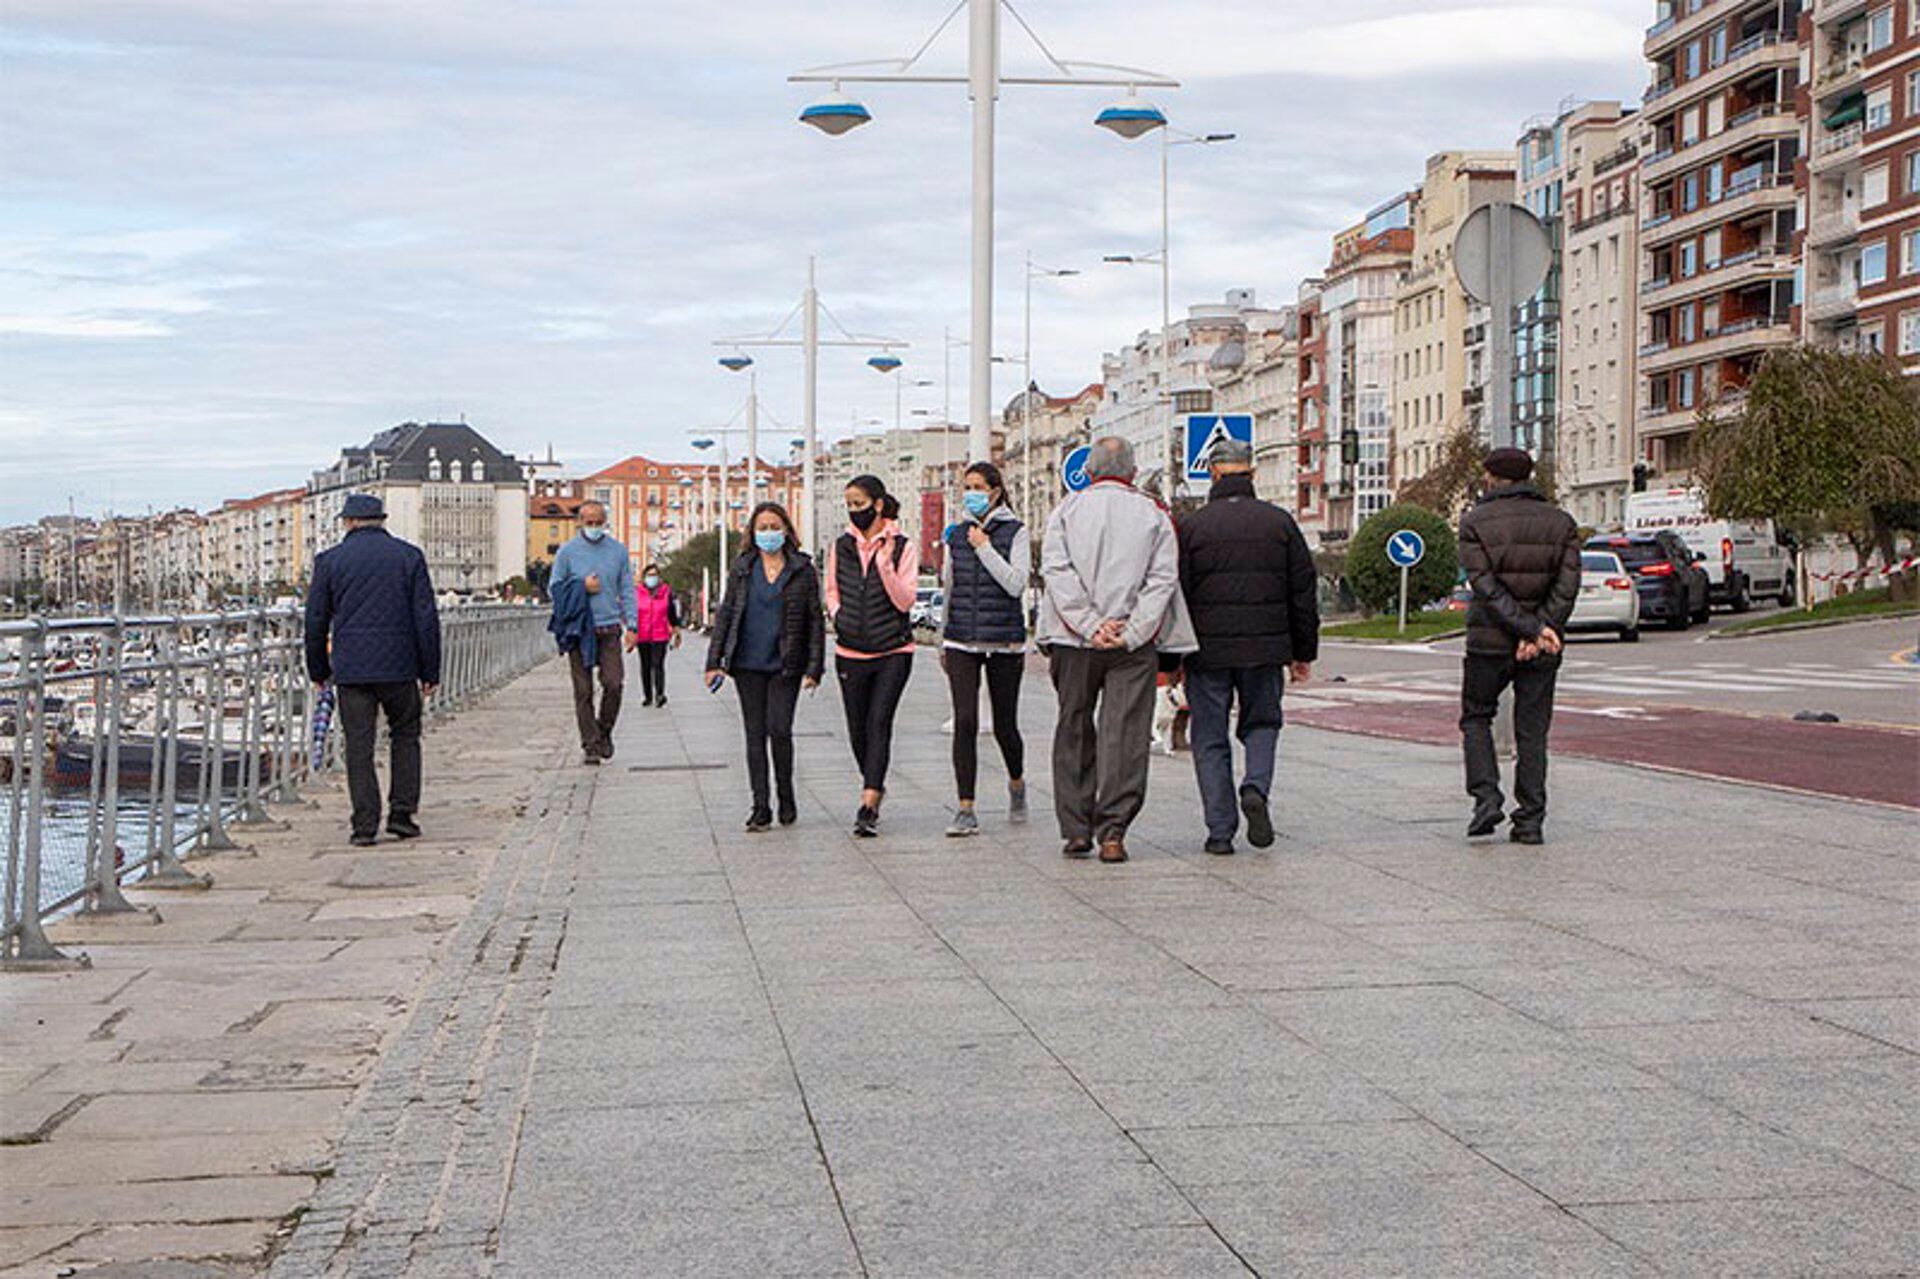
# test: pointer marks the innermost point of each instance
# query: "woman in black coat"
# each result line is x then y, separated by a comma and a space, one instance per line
771, 637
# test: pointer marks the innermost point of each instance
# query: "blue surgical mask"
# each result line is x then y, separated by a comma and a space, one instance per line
593, 532
652, 580
770, 540
977, 503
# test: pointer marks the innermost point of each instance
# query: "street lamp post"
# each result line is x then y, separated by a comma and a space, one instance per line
1164, 260
1128, 118
809, 342
1026, 393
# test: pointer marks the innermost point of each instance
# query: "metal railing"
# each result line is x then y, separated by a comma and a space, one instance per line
130, 743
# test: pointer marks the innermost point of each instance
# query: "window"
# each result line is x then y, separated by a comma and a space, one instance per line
1913, 173
1910, 333
1685, 381
453, 471
1873, 262
1713, 184
1690, 192
1879, 109
1686, 324
479, 471
1873, 186
1873, 340
433, 468
1909, 252
1689, 257
1710, 249
1717, 47
1913, 93
1880, 29
1693, 59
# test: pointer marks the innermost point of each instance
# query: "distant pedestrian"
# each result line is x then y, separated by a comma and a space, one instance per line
1112, 606
1522, 558
873, 571
594, 564
983, 578
770, 636
1250, 587
658, 629
374, 632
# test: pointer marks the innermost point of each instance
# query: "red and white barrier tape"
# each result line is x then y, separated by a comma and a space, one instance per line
1861, 574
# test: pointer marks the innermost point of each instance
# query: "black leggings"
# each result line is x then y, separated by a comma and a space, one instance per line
1003, 691
766, 710
870, 689
653, 668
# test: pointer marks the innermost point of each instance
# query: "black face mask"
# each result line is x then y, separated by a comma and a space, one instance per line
863, 519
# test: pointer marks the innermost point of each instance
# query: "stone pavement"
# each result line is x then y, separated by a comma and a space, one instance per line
1680, 1039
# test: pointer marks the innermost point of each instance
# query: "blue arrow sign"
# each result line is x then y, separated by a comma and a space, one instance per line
1204, 430
1406, 548
1073, 469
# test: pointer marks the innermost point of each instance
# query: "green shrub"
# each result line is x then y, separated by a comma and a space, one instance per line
1376, 581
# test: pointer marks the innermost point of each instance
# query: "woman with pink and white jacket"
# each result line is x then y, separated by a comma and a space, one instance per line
658, 630
872, 572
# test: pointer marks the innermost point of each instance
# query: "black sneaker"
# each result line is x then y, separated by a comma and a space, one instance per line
590, 756
759, 820
402, 827
660, 700
606, 748
866, 822
363, 841
788, 813
1259, 822
1527, 835
1220, 847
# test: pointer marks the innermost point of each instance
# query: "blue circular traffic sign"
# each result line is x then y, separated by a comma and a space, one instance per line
1406, 548
1073, 469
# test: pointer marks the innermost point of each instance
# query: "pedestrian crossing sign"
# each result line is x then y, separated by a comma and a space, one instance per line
1204, 430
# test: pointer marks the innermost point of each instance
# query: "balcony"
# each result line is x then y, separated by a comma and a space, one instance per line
1750, 195
1835, 226
1827, 11
1755, 124
1838, 76
1753, 52
1829, 302
1732, 338
1754, 266
1837, 147
1671, 30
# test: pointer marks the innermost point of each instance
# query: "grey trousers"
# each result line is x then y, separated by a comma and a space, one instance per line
1100, 743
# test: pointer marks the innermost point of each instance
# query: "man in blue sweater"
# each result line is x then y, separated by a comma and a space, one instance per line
600, 564
373, 630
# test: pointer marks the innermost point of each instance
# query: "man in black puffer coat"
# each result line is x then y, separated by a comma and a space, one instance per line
1522, 557
1251, 590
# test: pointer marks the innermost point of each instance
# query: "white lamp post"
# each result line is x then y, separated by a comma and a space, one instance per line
1026, 393
1130, 118
1164, 260
810, 343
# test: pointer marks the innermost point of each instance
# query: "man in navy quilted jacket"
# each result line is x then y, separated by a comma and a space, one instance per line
372, 598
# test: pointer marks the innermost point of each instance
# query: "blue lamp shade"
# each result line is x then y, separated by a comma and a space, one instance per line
735, 363
884, 363
834, 114
797, 444
703, 443
1131, 117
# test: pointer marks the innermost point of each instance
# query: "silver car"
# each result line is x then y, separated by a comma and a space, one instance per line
1607, 601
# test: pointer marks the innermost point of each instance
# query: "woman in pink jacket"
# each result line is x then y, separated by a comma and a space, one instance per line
872, 571
658, 629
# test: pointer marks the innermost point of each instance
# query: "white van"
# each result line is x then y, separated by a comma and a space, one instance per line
1743, 558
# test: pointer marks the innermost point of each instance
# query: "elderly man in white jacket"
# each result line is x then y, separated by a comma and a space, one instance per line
1112, 606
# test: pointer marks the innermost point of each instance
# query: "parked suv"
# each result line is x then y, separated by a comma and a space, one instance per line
1667, 575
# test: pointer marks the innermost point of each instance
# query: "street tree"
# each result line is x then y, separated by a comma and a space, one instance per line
681, 569
1374, 579
1825, 441
1447, 486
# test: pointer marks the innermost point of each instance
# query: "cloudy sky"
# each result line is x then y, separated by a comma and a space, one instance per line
237, 234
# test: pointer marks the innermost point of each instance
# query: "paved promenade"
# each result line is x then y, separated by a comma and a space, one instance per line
604, 1031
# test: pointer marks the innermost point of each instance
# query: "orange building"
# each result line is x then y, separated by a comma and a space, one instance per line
654, 506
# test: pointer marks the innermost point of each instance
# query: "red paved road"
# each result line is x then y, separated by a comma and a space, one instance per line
1843, 760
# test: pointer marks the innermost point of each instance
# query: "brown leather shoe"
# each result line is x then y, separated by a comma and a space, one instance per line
1079, 848
1113, 849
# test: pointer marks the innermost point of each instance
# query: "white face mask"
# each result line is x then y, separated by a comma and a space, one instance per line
652, 580
593, 532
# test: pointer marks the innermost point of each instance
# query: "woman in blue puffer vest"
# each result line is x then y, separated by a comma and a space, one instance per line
984, 575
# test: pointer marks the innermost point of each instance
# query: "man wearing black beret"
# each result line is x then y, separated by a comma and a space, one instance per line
1521, 554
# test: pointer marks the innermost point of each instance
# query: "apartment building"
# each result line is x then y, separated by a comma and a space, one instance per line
1259, 378
1574, 376
1316, 457
447, 489
1152, 384
256, 546
655, 507
1860, 187
1347, 382
1717, 211
1432, 392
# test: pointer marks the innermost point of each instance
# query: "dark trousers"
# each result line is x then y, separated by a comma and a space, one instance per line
1003, 692
1211, 693
1484, 678
360, 706
653, 669
597, 726
1100, 769
767, 700
870, 689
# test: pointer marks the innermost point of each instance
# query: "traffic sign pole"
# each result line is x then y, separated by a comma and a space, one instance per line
1404, 570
